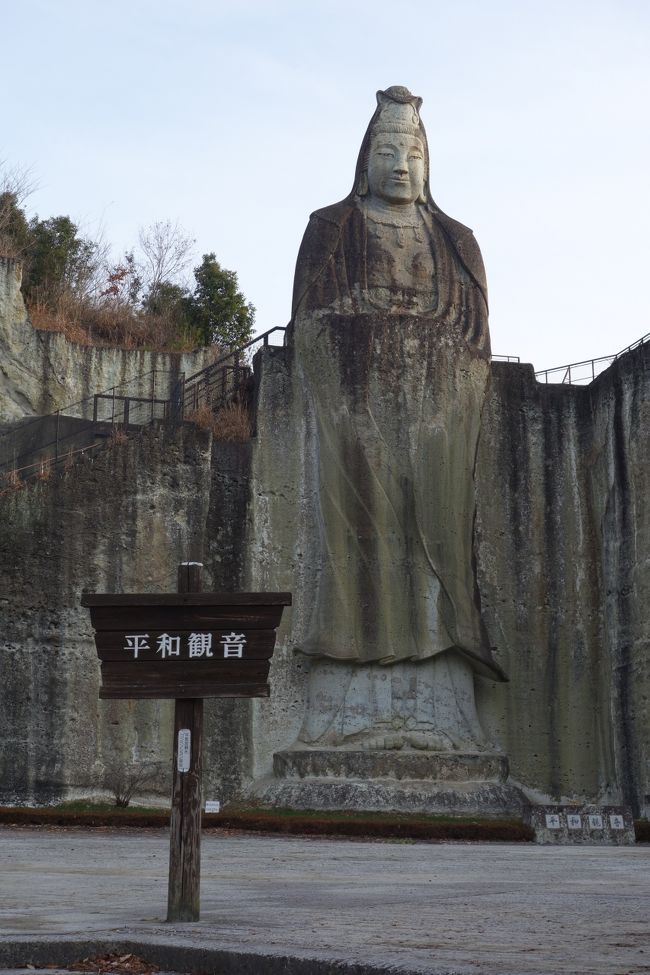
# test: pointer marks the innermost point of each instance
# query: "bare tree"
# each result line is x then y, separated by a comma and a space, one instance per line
16, 185
126, 780
16, 180
166, 251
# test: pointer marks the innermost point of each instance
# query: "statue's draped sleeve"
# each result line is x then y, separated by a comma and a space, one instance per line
464, 243
317, 252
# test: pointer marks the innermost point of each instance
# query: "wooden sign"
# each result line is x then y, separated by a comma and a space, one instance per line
185, 645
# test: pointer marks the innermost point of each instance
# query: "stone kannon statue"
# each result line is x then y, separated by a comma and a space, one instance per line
389, 332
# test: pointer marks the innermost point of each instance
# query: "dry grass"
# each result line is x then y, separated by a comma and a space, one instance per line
203, 417
11, 481
112, 324
48, 319
230, 424
118, 437
44, 471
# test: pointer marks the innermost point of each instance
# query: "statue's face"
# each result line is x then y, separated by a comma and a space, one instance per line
396, 167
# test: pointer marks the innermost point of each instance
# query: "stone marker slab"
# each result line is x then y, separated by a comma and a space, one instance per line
588, 824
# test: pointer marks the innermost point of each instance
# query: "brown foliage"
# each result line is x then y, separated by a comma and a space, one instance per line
10, 482
44, 470
202, 417
111, 323
233, 424
57, 319
9, 247
115, 964
118, 437
230, 424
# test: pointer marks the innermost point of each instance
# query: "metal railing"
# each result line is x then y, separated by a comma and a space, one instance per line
583, 373
56, 439
34, 449
221, 381
506, 358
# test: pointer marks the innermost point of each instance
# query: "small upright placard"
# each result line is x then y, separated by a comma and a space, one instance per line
607, 825
184, 759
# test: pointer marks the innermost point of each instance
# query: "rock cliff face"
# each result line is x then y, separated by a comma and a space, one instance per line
120, 521
562, 544
41, 372
563, 550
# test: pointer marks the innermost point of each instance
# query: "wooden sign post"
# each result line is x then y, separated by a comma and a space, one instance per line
187, 646
183, 898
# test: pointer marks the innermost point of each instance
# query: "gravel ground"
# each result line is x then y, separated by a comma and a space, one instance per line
493, 909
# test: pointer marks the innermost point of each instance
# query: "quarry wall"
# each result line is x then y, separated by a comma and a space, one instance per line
120, 521
563, 554
41, 371
563, 560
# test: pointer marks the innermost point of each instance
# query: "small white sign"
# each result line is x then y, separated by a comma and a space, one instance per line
212, 806
552, 821
595, 822
616, 822
184, 750
574, 821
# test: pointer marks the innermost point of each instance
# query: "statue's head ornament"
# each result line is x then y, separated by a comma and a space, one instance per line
397, 111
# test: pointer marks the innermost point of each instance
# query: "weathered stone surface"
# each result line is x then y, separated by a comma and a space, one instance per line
389, 364
488, 799
562, 555
42, 371
563, 549
390, 342
563, 589
330, 763
118, 522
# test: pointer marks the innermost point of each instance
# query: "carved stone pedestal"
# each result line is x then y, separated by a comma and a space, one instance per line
452, 783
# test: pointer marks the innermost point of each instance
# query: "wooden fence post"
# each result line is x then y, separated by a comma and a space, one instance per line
183, 901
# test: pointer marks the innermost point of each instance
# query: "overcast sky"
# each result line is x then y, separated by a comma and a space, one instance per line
239, 119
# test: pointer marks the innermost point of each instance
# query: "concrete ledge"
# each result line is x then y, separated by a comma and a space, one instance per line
189, 959
388, 764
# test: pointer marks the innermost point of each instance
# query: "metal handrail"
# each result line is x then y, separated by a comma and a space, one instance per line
240, 348
126, 413
123, 411
65, 410
219, 382
591, 365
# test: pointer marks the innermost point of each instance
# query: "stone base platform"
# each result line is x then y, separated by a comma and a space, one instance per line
411, 781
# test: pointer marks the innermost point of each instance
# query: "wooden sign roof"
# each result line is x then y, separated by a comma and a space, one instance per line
185, 645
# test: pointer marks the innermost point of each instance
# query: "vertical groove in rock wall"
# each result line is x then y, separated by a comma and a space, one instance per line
621, 479
277, 547
228, 722
620, 539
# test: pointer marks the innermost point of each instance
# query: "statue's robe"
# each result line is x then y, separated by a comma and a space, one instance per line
393, 409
